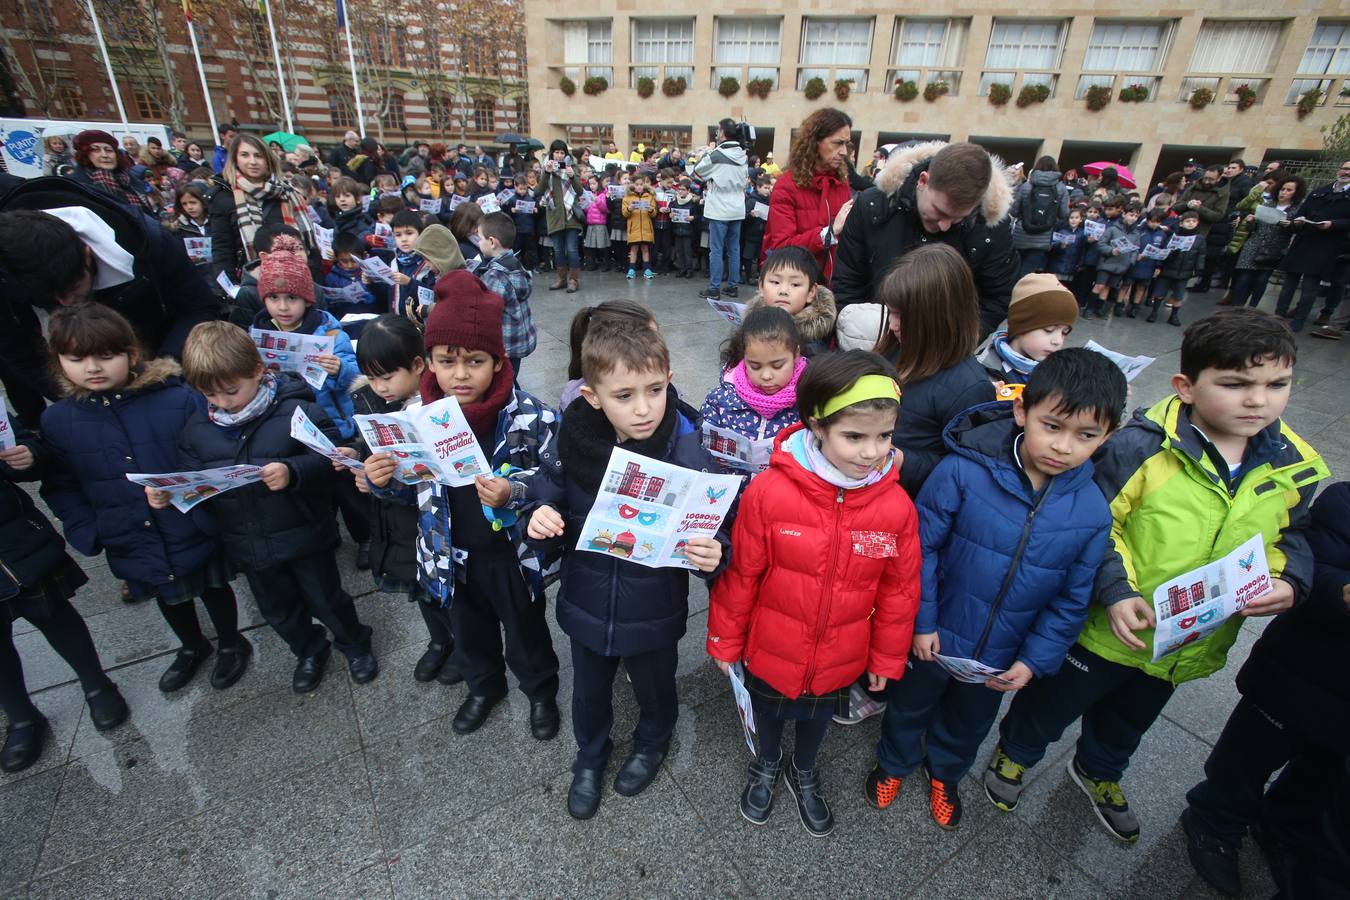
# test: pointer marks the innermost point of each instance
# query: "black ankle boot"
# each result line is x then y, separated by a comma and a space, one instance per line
1153, 311
1174, 317
757, 798
811, 806
1120, 309
1134, 311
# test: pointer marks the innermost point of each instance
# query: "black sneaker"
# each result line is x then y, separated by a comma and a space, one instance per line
711, 294
1213, 860
730, 291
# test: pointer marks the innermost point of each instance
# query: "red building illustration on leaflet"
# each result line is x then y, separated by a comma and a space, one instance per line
389, 433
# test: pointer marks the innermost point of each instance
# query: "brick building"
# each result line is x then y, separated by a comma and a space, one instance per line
973, 52
447, 71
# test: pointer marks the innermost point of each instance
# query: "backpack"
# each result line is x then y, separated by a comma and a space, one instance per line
1041, 209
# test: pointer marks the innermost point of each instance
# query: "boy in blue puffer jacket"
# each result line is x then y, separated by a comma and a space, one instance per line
1013, 528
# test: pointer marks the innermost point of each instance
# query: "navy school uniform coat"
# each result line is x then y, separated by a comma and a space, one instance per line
1007, 570
260, 528
612, 606
30, 548
97, 438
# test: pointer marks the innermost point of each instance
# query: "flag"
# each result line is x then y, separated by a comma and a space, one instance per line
342, 13
187, 10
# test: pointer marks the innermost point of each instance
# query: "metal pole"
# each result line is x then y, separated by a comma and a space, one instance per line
281, 81
201, 70
356, 86
107, 63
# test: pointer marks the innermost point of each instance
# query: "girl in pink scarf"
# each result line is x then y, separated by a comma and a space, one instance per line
758, 399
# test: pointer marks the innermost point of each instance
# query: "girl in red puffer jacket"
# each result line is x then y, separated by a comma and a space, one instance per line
824, 581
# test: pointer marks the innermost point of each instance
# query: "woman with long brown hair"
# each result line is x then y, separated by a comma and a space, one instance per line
812, 198
252, 191
934, 327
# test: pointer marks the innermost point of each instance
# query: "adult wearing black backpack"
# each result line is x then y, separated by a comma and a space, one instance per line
1039, 204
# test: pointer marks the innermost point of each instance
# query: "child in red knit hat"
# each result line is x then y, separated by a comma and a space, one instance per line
471, 556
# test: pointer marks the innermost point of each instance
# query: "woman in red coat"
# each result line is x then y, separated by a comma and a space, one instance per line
824, 579
812, 198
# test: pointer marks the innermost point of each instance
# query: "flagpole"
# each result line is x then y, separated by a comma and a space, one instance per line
351, 58
201, 71
276, 57
107, 63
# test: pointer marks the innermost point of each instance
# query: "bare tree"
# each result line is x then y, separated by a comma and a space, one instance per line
41, 88
241, 22
134, 33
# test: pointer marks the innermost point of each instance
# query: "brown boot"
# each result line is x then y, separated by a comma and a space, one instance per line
562, 280
573, 280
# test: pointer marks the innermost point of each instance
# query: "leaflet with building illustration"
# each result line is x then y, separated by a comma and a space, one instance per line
1181, 242
647, 510
7, 441
1192, 606
1153, 251
306, 432
971, 671
286, 351
732, 311
745, 709
1094, 229
378, 269
431, 443
187, 489
735, 449
1130, 365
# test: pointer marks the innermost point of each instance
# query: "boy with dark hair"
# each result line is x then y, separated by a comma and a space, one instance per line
1189, 481
752, 230
523, 207
414, 279
1179, 267
281, 530
615, 610
347, 278
502, 273
1012, 528
1113, 262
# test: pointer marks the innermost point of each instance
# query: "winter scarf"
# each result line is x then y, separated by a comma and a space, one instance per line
267, 392
805, 448
586, 439
119, 185
1014, 360
482, 416
248, 201
767, 405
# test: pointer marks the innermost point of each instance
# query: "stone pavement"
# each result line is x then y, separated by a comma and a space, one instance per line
364, 791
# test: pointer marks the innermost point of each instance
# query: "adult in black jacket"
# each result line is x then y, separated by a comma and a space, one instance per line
1295, 710
1320, 229
954, 194
110, 255
37, 580
253, 178
101, 166
350, 146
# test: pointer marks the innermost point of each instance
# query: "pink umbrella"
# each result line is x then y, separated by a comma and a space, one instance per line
1123, 173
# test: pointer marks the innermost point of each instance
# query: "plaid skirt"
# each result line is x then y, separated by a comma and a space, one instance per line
769, 702
215, 573
618, 235
597, 237
60, 584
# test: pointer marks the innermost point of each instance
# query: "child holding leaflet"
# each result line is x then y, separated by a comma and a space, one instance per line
1012, 527
790, 280
615, 610
281, 530
122, 414
765, 358
812, 606
1213, 462
479, 571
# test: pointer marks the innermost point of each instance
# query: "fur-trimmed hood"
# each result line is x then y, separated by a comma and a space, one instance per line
902, 163
153, 374
815, 322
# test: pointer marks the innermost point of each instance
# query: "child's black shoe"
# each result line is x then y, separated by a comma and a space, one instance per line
811, 806
757, 798
107, 709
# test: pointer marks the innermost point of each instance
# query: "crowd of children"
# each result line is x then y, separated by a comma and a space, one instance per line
909, 515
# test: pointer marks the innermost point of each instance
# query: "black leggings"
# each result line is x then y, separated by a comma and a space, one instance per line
810, 735
220, 608
65, 630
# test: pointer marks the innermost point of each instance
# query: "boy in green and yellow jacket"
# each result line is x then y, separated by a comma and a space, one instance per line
1188, 481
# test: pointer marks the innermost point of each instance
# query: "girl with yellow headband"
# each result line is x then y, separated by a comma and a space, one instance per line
824, 582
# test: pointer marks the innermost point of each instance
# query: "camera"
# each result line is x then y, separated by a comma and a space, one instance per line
744, 135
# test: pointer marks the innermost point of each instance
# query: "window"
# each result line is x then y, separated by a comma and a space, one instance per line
1025, 44
921, 43
661, 136
841, 43
67, 102
148, 103
1191, 85
1031, 79
341, 110
991, 78
1089, 81
588, 44
393, 117
389, 46
1241, 45
593, 136
484, 115
746, 49
523, 114
1126, 47
658, 42
440, 112
1301, 86
1328, 52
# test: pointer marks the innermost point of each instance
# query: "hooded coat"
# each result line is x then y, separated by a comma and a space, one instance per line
815, 321
1021, 205
884, 225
